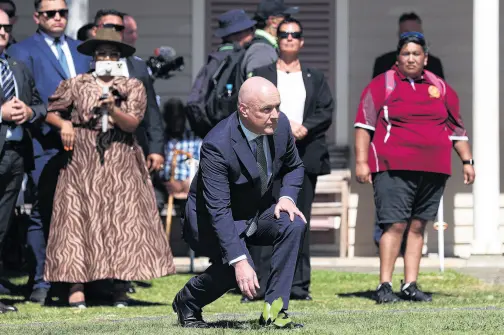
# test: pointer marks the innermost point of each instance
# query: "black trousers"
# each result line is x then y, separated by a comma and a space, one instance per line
283, 235
261, 255
11, 178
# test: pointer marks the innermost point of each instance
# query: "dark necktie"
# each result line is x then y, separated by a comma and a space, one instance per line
261, 163
8, 85
62, 58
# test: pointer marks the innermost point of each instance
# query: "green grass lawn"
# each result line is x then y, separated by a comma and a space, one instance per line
341, 305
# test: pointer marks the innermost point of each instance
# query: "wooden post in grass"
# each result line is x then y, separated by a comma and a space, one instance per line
169, 211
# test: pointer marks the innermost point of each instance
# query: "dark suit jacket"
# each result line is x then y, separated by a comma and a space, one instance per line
29, 95
317, 117
386, 61
150, 132
47, 72
225, 192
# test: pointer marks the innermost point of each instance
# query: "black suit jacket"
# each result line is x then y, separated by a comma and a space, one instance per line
149, 133
386, 61
27, 93
317, 117
226, 191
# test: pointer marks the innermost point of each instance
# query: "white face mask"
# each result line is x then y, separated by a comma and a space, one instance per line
111, 68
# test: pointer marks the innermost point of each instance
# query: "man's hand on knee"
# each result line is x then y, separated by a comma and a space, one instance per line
246, 278
286, 205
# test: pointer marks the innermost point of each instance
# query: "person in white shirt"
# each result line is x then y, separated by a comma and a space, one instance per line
307, 101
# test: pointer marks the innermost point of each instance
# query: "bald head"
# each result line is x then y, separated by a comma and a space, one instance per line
258, 103
256, 89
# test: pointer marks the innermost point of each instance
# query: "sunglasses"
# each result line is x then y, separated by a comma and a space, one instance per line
52, 13
6, 27
117, 27
285, 34
110, 54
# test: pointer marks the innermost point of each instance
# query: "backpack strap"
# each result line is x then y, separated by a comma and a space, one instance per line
389, 83
438, 82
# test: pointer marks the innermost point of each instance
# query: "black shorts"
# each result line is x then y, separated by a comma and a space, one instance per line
404, 195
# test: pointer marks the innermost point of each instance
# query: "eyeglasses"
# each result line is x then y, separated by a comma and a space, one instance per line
110, 54
6, 27
294, 34
52, 13
117, 27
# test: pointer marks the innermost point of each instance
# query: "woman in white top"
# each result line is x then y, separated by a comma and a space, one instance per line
307, 101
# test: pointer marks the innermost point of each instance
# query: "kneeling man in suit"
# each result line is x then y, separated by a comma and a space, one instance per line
230, 204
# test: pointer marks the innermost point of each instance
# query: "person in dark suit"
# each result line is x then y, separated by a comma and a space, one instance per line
150, 133
407, 22
51, 57
21, 108
307, 101
231, 203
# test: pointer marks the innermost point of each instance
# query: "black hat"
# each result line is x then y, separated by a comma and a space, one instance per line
267, 8
233, 21
106, 36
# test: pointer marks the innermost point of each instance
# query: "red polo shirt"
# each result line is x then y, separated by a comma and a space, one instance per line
413, 129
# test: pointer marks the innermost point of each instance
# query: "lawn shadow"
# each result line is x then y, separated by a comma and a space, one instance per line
233, 324
371, 294
94, 302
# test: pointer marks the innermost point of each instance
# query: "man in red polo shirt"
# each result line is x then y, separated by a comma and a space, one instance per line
407, 122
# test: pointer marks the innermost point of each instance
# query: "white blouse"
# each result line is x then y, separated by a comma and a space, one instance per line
292, 94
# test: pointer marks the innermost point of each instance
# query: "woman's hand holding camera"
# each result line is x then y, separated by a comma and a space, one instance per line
67, 135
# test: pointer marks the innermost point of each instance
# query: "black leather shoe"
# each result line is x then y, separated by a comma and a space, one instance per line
39, 295
6, 308
186, 316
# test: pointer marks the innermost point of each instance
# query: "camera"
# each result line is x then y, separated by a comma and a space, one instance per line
111, 68
161, 68
164, 62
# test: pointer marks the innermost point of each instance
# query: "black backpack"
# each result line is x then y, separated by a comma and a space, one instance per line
214, 95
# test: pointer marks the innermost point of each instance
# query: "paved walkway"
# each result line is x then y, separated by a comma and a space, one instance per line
487, 268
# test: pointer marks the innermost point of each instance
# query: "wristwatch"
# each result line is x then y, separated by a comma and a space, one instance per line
469, 161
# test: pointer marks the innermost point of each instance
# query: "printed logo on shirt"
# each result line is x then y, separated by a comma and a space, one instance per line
434, 92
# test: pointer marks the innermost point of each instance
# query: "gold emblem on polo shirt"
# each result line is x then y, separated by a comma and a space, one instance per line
434, 92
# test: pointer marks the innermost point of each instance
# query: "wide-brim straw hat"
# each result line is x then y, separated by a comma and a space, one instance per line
106, 36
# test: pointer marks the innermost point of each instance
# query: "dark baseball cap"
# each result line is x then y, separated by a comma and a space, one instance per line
267, 8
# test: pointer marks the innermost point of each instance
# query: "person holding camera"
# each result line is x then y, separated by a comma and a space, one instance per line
105, 223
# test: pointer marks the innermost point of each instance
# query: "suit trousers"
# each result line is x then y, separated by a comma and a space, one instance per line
283, 235
261, 255
42, 183
11, 177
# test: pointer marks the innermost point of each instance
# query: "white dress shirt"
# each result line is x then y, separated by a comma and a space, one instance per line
66, 50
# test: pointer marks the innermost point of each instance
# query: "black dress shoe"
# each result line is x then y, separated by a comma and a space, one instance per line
4, 290
6, 308
186, 316
39, 295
